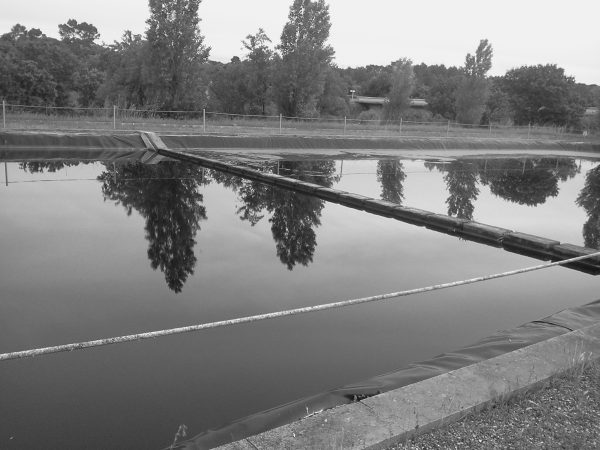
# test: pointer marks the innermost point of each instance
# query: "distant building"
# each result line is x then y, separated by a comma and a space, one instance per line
377, 102
591, 111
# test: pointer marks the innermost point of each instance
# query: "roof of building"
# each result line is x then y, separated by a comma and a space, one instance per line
364, 100
591, 111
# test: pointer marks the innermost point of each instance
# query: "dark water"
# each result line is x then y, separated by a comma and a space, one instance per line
101, 249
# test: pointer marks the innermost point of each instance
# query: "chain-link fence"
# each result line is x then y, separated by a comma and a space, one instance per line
25, 117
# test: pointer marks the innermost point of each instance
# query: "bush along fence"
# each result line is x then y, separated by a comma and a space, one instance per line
28, 117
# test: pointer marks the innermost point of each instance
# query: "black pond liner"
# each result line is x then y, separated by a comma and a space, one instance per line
188, 142
132, 140
82, 146
497, 344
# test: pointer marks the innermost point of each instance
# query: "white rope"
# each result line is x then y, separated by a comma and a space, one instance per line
273, 315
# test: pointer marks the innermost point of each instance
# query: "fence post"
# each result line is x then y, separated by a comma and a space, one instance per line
280, 120
204, 120
448, 129
400, 126
528, 130
114, 117
3, 114
490, 127
344, 125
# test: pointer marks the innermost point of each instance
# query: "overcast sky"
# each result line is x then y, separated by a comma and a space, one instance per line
522, 32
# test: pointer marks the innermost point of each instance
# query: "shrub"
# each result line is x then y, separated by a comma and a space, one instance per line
370, 114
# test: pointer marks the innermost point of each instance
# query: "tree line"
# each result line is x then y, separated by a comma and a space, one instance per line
169, 68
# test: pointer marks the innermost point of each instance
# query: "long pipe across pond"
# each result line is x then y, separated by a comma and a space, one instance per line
274, 315
513, 241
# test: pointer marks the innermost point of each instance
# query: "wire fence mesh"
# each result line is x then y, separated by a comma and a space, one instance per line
30, 117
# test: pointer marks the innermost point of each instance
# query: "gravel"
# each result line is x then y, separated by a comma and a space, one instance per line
565, 413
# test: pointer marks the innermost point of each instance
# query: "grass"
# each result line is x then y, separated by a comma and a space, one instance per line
564, 413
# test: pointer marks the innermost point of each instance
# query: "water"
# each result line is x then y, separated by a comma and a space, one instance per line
101, 249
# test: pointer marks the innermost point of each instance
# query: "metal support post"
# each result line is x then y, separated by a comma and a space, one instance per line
344, 125
6, 173
3, 114
280, 120
204, 120
448, 129
401, 126
114, 117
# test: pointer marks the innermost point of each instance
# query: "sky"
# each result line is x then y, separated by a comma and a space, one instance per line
522, 32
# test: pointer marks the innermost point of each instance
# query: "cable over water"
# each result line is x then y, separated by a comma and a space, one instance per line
290, 312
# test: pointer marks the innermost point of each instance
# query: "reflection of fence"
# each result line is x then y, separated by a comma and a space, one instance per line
25, 117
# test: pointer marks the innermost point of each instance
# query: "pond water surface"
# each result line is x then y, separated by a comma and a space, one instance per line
101, 249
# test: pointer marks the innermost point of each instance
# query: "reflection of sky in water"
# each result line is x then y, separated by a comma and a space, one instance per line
75, 267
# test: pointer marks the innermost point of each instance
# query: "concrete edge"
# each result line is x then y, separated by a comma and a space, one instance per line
396, 416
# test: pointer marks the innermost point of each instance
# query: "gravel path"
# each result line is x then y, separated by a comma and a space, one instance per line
563, 414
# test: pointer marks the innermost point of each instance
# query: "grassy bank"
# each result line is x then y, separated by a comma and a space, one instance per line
196, 122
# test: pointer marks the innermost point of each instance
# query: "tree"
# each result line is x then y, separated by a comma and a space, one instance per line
542, 94
497, 107
403, 83
258, 61
472, 93
35, 84
36, 69
379, 84
230, 85
333, 101
438, 85
479, 64
304, 57
175, 51
126, 82
17, 31
73, 31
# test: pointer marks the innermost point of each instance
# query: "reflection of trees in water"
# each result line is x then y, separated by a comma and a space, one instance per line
527, 182
460, 177
294, 216
166, 196
524, 181
391, 175
48, 166
589, 199
293, 221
